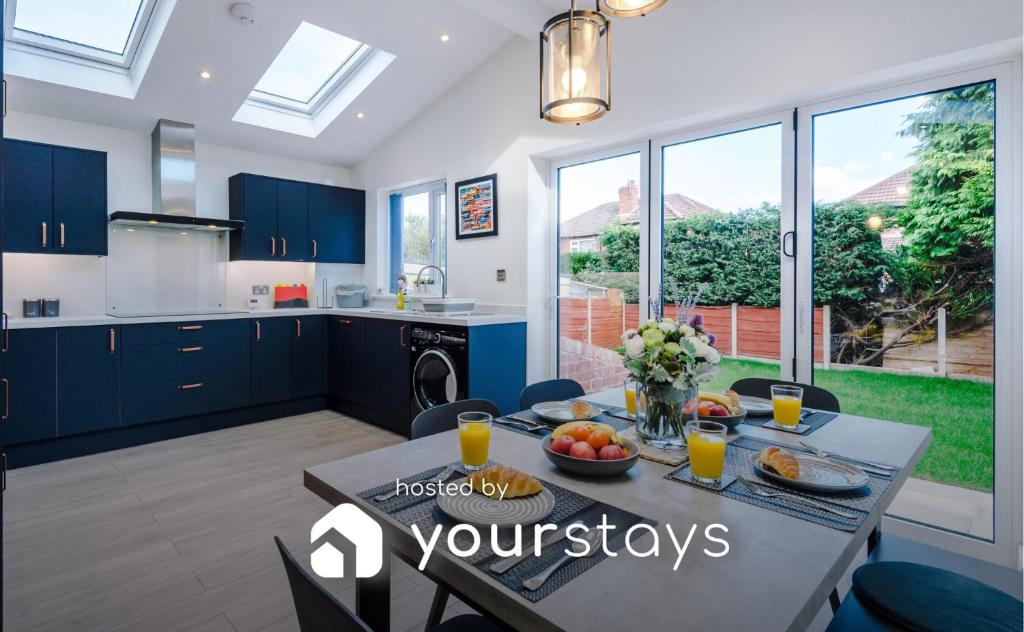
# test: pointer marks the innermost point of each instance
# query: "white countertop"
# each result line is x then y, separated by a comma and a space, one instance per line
486, 318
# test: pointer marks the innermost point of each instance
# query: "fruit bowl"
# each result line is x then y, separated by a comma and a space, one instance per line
729, 421
593, 467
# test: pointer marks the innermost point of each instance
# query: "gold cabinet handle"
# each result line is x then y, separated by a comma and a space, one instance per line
7, 398
44, 234
7, 336
5, 98
259, 331
273, 246
3, 486
298, 328
314, 249
344, 322
62, 234
189, 387
189, 349
113, 341
401, 335
284, 247
189, 327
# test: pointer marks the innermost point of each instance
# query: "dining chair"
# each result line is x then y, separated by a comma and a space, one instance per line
320, 611
549, 391
814, 396
446, 416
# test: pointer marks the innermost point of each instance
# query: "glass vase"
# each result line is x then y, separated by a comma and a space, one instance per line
662, 412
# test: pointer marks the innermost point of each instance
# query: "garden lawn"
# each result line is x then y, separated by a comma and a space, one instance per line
959, 412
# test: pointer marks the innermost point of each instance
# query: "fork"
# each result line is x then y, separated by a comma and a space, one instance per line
807, 501
529, 426
824, 454
448, 471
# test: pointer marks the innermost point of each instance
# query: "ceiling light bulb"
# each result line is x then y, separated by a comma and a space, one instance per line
445, 37
360, 115
205, 74
579, 81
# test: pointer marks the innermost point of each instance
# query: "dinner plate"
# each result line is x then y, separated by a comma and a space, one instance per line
561, 412
482, 511
756, 406
818, 474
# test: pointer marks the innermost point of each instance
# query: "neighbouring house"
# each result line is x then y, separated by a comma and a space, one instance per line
893, 191
581, 233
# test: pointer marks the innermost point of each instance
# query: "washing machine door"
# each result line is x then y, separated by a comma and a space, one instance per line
434, 380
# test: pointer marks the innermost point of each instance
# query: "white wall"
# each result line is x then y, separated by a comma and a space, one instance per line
694, 59
80, 280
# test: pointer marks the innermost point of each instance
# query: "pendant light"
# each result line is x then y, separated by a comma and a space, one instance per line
628, 8
575, 67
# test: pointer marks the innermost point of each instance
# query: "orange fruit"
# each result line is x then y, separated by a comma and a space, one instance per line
580, 433
599, 439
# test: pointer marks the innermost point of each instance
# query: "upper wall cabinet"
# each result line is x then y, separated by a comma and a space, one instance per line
287, 220
55, 199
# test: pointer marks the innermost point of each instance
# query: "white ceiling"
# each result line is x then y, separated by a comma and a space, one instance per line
201, 35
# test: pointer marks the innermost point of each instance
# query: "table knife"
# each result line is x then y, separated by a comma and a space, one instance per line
505, 564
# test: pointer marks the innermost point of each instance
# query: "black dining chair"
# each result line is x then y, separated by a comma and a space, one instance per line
549, 391
814, 396
320, 611
446, 416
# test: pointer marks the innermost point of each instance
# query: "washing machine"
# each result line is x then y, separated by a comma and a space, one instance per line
439, 367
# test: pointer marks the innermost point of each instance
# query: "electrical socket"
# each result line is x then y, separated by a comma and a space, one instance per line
501, 275
260, 290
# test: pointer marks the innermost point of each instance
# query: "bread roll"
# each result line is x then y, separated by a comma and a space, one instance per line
519, 483
781, 462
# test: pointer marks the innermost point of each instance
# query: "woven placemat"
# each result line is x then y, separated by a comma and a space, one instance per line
658, 455
570, 508
739, 462
528, 415
815, 419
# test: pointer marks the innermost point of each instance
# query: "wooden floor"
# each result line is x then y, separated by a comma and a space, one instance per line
178, 535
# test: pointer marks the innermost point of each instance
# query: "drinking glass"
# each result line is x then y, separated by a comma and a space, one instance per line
706, 443
474, 438
786, 404
630, 388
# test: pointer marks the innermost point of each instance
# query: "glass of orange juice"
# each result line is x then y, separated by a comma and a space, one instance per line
706, 442
630, 388
474, 438
786, 403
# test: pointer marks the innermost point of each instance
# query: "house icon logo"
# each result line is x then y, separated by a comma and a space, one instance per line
346, 528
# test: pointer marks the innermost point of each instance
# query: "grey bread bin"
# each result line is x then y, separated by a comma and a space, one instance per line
350, 296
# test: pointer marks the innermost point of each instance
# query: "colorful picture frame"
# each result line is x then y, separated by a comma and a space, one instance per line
477, 207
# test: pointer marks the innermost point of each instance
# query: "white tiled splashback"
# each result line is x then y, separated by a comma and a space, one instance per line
77, 280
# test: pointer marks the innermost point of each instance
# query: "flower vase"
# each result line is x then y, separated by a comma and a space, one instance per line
662, 412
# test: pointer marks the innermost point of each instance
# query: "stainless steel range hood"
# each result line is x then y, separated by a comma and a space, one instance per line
174, 184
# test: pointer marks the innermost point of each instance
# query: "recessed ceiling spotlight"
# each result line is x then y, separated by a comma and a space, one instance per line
445, 37
360, 115
204, 74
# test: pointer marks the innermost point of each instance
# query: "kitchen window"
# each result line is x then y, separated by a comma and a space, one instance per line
418, 229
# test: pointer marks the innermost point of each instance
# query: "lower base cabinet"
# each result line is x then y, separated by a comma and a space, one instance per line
171, 400
30, 368
309, 357
88, 379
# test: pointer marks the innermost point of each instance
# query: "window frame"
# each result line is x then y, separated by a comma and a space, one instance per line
437, 215
327, 91
49, 45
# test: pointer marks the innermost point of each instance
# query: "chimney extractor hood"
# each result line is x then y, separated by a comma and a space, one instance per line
174, 184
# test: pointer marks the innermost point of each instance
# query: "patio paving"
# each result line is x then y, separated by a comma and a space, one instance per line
947, 506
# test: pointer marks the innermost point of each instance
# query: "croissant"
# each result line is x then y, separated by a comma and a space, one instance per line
580, 410
518, 483
781, 462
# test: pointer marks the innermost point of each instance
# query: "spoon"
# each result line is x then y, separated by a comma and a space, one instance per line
587, 547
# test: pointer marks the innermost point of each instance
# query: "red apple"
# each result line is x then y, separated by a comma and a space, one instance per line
719, 411
582, 450
611, 452
562, 444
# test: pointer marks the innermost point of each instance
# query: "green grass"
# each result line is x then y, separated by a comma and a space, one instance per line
959, 412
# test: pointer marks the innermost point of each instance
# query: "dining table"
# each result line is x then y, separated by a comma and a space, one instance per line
777, 575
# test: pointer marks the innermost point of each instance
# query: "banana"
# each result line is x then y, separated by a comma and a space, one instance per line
716, 398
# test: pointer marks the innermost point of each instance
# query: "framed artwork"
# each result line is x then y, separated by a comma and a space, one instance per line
477, 207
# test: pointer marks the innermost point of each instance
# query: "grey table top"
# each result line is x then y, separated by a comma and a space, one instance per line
776, 576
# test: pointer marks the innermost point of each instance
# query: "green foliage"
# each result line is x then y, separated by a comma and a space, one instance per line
415, 238
577, 263
627, 282
621, 244
849, 263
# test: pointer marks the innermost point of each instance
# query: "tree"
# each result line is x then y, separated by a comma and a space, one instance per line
415, 238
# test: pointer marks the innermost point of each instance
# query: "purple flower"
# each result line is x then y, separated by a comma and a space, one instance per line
711, 339
697, 320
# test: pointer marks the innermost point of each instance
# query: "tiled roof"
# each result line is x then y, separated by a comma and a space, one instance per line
588, 223
894, 190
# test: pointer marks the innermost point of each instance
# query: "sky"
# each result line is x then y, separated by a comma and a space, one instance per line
853, 149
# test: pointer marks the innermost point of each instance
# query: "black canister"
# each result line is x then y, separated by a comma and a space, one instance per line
32, 307
51, 307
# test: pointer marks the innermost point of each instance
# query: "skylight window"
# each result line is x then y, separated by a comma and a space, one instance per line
105, 26
315, 76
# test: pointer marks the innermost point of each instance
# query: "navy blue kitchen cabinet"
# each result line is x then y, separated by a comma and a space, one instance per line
337, 224
309, 357
79, 201
253, 199
386, 363
271, 360
55, 199
293, 220
88, 379
30, 377
346, 337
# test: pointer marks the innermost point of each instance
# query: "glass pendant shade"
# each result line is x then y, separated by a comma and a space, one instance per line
575, 67
629, 8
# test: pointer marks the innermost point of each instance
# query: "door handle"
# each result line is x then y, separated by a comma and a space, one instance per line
7, 336
284, 247
44, 234
62, 234
344, 322
3, 485
298, 328
189, 349
113, 341
401, 335
189, 327
5, 98
273, 246
7, 398
259, 331
785, 236
189, 387
314, 249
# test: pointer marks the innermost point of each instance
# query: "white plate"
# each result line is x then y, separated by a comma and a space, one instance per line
756, 407
818, 474
479, 510
561, 412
